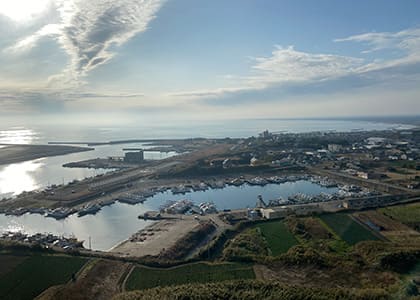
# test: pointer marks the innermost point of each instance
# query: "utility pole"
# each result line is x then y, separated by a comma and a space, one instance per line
90, 243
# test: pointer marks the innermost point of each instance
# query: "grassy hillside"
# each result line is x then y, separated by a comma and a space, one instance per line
407, 214
348, 229
143, 277
278, 237
36, 273
251, 290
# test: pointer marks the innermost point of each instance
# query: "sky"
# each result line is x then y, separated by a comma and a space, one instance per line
121, 60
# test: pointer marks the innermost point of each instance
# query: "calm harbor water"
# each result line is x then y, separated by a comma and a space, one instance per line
40, 173
117, 222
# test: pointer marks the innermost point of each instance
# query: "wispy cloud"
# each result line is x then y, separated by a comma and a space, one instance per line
61, 94
91, 28
407, 40
90, 31
287, 67
27, 43
55, 100
290, 65
34, 101
405, 45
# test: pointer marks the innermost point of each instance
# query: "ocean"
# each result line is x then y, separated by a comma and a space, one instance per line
169, 130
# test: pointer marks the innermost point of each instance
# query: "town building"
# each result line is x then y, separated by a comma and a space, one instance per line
335, 148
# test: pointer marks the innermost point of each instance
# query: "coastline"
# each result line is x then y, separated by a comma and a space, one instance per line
12, 153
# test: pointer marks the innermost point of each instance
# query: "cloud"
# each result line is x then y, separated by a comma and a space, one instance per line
288, 70
405, 45
50, 100
90, 31
86, 95
61, 94
407, 40
290, 65
284, 68
91, 28
29, 42
209, 93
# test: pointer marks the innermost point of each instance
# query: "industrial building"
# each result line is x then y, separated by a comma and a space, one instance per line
274, 213
134, 157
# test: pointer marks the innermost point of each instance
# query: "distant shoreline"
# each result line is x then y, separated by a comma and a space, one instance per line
12, 153
402, 120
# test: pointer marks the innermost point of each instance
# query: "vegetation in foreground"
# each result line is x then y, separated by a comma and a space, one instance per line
278, 237
348, 229
246, 246
144, 278
322, 259
36, 273
260, 241
9, 262
251, 289
406, 214
99, 279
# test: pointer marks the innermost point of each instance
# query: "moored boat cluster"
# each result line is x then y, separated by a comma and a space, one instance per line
46, 240
344, 191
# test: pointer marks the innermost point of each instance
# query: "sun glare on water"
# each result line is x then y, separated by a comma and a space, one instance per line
21, 10
17, 136
16, 178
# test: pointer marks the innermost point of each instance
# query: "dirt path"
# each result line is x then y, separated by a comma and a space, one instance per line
126, 276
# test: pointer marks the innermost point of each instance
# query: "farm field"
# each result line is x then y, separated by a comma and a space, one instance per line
143, 277
392, 229
408, 214
36, 273
347, 229
278, 237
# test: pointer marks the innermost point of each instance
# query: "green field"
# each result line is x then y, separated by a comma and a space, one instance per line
347, 229
407, 214
36, 273
9, 262
278, 237
143, 278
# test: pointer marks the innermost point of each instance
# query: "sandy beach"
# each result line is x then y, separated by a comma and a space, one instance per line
18, 153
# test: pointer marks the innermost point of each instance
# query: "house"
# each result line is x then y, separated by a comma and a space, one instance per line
335, 148
363, 175
254, 161
368, 175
